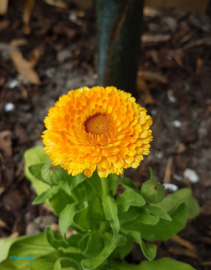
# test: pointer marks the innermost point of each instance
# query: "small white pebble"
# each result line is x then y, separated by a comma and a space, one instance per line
94, 76
159, 155
171, 97
8, 107
153, 112
49, 72
191, 175
177, 177
72, 17
177, 124
170, 187
12, 83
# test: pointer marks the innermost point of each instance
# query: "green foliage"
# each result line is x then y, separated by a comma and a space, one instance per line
66, 264
93, 263
54, 239
42, 264
183, 195
149, 251
127, 199
162, 264
68, 213
23, 246
106, 225
33, 156
110, 210
164, 229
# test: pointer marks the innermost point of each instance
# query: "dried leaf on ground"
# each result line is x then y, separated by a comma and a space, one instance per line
199, 63
4, 24
55, 227
61, 28
206, 263
148, 38
184, 243
185, 38
14, 235
177, 55
3, 224
18, 42
206, 209
143, 87
181, 148
168, 171
151, 12
181, 162
2, 189
207, 240
56, 3
23, 66
182, 251
151, 76
3, 6
28, 7
84, 4
6, 142
197, 42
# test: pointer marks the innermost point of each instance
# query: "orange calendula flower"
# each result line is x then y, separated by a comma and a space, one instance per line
98, 128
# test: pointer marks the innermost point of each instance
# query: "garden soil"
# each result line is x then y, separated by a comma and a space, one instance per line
56, 52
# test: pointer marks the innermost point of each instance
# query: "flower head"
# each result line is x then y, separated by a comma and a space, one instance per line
98, 128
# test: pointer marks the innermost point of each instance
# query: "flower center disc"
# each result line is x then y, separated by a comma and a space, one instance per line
97, 124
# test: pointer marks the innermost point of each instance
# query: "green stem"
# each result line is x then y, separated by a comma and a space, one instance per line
105, 192
75, 197
105, 186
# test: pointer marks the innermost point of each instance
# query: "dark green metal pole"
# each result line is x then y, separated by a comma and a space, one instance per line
119, 32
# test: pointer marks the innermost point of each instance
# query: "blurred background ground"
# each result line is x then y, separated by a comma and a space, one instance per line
57, 54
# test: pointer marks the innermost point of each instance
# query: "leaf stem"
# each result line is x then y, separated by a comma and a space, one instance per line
105, 187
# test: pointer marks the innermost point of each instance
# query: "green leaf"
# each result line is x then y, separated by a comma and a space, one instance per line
149, 251
42, 264
46, 195
110, 210
152, 191
131, 214
91, 244
87, 218
158, 211
123, 250
35, 170
71, 252
163, 229
162, 264
126, 183
127, 199
104, 254
36, 246
113, 183
182, 195
74, 240
76, 180
54, 239
66, 216
83, 192
60, 200
145, 217
95, 183
66, 264
32, 156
